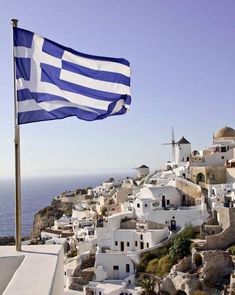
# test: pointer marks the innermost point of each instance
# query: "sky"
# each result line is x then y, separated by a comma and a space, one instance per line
183, 69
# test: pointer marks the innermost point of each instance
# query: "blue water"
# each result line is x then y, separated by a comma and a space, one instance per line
37, 193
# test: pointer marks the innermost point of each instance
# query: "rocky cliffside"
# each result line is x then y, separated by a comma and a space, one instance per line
46, 216
207, 271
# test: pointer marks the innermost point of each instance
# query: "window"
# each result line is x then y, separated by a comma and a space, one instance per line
127, 267
136, 243
138, 205
187, 159
147, 245
222, 157
168, 202
128, 244
116, 267
116, 243
145, 205
141, 237
100, 293
223, 149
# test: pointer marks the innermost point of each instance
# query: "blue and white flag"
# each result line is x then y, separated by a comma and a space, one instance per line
54, 82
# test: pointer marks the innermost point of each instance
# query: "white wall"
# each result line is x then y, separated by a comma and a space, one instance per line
150, 238
104, 234
182, 217
107, 261
41, 272
182, 152
215, 159
148, 195
8, 267
80, 214
140, 172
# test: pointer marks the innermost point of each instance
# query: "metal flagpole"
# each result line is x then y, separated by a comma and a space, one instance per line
17, 159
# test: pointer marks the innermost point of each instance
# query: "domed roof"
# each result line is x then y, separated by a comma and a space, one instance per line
225, 132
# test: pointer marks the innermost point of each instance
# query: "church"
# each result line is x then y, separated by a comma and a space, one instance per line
213, 165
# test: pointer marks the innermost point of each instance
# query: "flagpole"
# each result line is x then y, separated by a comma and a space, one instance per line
17, 159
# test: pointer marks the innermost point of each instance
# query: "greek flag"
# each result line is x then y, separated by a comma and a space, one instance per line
54, 81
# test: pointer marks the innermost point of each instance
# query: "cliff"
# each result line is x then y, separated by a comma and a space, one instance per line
45, 217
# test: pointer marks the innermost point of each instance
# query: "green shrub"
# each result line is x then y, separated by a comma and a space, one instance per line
231, 250
141, 266
164, 265
187, 233
148, 283
180, 248
148, 256
160, 252
152, 266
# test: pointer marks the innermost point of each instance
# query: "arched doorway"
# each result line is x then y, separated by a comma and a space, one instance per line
198, 260
200, 178
180, 292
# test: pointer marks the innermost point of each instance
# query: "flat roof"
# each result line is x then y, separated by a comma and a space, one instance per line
36, 273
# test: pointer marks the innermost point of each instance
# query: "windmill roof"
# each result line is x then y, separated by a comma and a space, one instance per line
183, 140
142, 166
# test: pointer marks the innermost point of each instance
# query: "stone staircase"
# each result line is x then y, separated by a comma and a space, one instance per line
83, 274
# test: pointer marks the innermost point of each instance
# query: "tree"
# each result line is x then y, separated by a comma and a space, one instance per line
148, 283
180, 248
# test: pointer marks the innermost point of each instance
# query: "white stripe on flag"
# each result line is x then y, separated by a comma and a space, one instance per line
30, 105
99, 65
94, 84
118, 107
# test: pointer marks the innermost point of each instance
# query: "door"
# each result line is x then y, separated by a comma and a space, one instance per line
122, 246
163, 202
116, 272
173, 224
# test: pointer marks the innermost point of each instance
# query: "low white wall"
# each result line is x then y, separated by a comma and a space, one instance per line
182, 217
41, 272
149, 238
58, 279
107, 261
8, 266
86, 246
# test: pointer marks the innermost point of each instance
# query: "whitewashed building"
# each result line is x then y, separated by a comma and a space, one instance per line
221, 151
142, 171
182, 151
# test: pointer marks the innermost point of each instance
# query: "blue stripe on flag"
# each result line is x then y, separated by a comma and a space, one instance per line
22, 37
61, 113
96, 74
26, 94
52, 75
43, 68
54, 49
23, 68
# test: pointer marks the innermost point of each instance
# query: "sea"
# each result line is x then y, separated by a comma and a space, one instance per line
37, 193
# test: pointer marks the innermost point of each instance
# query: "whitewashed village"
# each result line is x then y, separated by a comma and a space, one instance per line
112, 226
121, 237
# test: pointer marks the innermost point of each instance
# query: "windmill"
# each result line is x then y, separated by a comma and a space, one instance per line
172, 143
